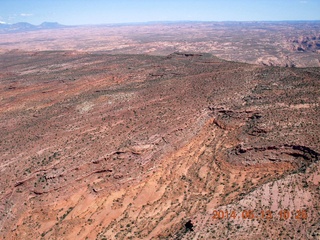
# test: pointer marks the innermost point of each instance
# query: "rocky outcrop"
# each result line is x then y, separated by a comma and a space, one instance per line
309, 43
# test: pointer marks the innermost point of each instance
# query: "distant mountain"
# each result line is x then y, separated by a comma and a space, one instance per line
51, 25
24, 26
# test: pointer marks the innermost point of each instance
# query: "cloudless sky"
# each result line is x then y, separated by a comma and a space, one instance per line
76, 12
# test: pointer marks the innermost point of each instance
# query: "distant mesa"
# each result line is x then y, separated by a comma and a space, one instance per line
50, 25
25, 26
22, 25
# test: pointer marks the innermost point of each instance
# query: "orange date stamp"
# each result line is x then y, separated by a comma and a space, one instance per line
284, 214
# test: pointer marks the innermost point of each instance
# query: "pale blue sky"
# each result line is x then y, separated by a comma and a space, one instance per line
76, 12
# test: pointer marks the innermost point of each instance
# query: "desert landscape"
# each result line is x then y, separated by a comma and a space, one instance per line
132, 131
293, 44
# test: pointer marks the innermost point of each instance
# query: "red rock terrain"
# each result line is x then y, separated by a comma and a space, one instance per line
100, 146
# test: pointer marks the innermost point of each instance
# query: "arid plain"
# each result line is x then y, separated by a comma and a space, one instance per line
130, 131
270, 43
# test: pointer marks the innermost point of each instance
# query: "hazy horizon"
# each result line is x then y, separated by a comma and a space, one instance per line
142, 11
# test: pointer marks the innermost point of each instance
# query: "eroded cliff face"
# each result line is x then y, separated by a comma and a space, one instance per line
103, 146
305, 43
